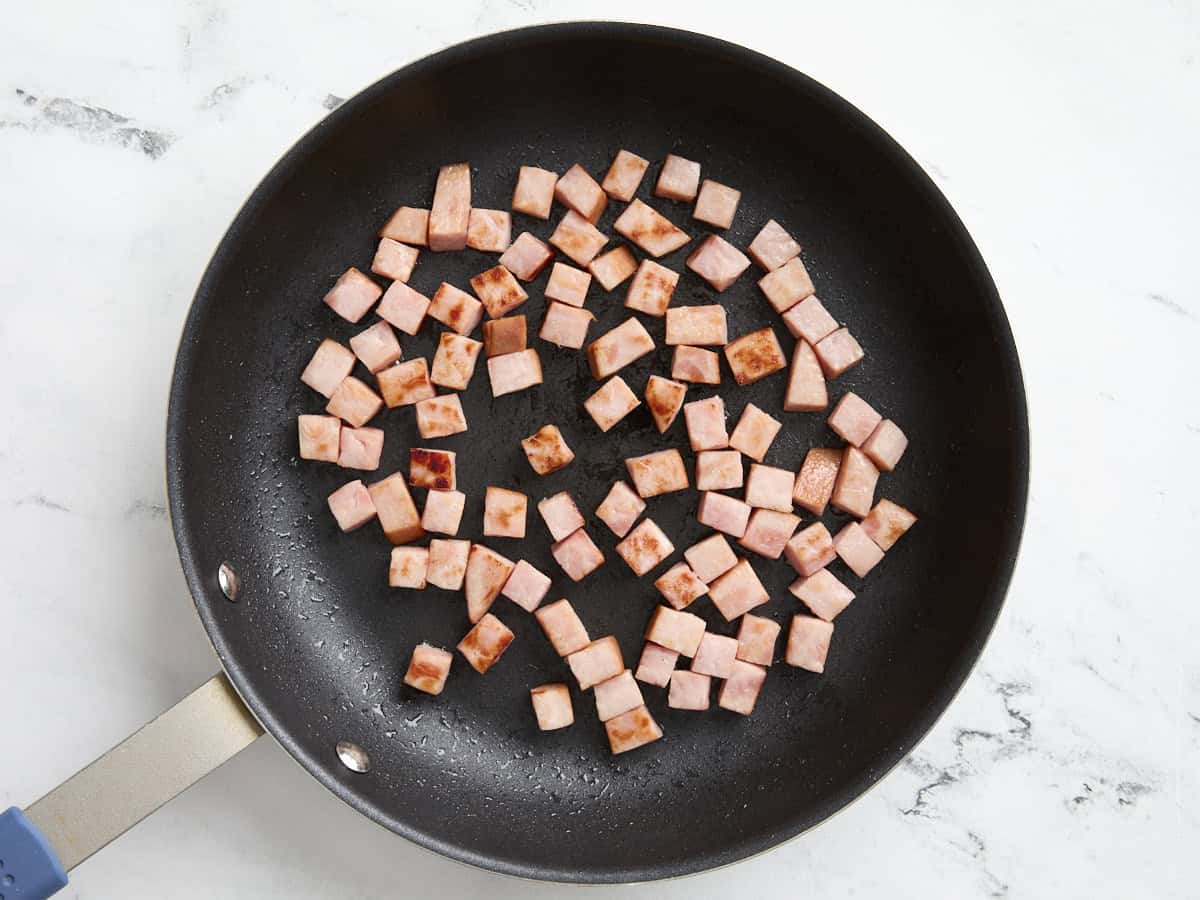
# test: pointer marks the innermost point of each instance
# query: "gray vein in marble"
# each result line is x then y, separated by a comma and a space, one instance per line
94, 123
144, 509
43, 502
332, 101
976, 849
1166, 302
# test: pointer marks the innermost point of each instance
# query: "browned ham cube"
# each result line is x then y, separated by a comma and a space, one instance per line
886, 445
696, 365
489, 230
546, 450
526, 586
377, 347
504, 513
534, 193
739, 693
718, 470
394, 260
787, 285
613, 267
768, 532
433, 469
718, 262
809, 320
773, 246
769, 487
857, 550
408, 567
506, 335
552, 706
723, 513
579, 192
447, 562
354, 402
715, 655
352, 295
645, 547
624, 175
887, 523
578, 238
560, 514
451, 210
697, 326
756, 640
716, 204
631, 730
811, 549
330, 364
526, 257
565, 326
657, 473
806, 390
440, 417
568, 285
814, 483
360, 448
737, 591
562, 627
454, 361
617, 695
652, 287
755, 432
397, 513
679, 179
598, 661
711, 557
705, 420
485, 643
351, 505
428, 669
648, 229
577, 554
839, 352
664, 397
486, 573
822, 593
620, 508
808, 643
612, 402
656, 664
689, 690
403, 307
854, 489
624, 344
754, 356
498, 290
408, 225
455, 308
675, 630
443, 512
320, 437
514, 372
680, 585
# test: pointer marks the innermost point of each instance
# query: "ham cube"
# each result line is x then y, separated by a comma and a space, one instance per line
624, 344
351, 505
839, 352
486, 573
739, 693
886, 445
689, 690
651, 289
534, 194
710, 558
620, 509
562, 627
754, 356
377, 347
806, 384
526, 586
768, 487
648, 229
854, 490
568, 285
428, 668
546, 450
768, 532
499, 291
505, 335
560, 514
857, 550
565, 326
526, 257
718, 470
624, 176
408, 567
578, 238
455, 308
696, 365
822, 593
447, 562
657, 473
617, 695
504, 513
772, 247
360, 448
810, 550
814, 483
645, 547
403, 307
675, 630
887, 523
354, 402
715, 655
440, 417
485, 643
738, 591
755, 432
716, 204
489, 230
514, 372
329, 366
450, 213
718, 262
787, 285
433, 469
705, 420
679, 179
726, 514
756, 640
454, 361
631, 730
577, 554
612, 402
320, 437
397, 513
808, 643
394, 260
665, 399
680, 585
352, 295
579, 192
808, 320
443, 512
697, 326
656, 664
597, 662
613, 267
408, 225
552, 706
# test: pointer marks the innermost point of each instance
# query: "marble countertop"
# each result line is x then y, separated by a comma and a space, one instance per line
1065, 134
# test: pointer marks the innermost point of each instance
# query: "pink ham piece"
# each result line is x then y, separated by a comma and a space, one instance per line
715, 655
526, 257
718, 262
617, 695
408, 567
885, 446
498, 290
887, 523
754, 356
394, 260
428, 669
577, 554
514, 372
454, 361
329, 366
675, 630
716, 204
631, 730
408, 225
755, 432
768, 532
664, 397
806, 390
680, 586
354, 402
809, 320
443, 512
738, 591
689, 690
447, 562
578, 238
697, 326
696, 365
648, 229
433, 469
568, 285
725, 514
769, 487
562, 627
808, 643
489, 230
546, 450
560, 514
504, 513
822, 593
360, 448
656, 664
403, 307
455, 308
565, 326
624, 344
679, 179
526, 586
857, 550
440, 417
705, 420
620, 509
320, 437
505, 335
611, 268
652, 287
756, 640
711, 557
814, 483
657, 473
739, 693
839, 352
854, 490
597, 662
611, 403
397, 513
645, 547
485, 643
352, 295
534, 193
810, 550
487, 571
772, 247
377, 347
450, 213
718, 470
786, 286
624, 176
351, 505
552, 706
579, 192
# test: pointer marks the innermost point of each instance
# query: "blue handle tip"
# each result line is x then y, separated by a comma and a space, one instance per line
29, 868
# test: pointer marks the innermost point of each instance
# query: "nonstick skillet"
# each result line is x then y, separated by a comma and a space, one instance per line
316, 644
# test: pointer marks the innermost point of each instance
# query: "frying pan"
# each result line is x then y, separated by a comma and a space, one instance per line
316, 645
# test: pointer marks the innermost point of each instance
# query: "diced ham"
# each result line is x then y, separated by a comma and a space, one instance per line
443, 511
552, 706
680, 585
440, 417
726, 514
486, 573
705, 420
504, 513
651, 289
814, 483
428, 668
787, 285
562, 627
755, 432
711, 557
839, 352
579, 192
715, 655
808, 643
754, 356
645, 547
718, 470
598, 661
377, 347
656, 664
451, 210
620, 508
697, 326
756, 640
568, 285
485, 643
397, 513
739, 693
648, 229
613, 267
454, 361
351, 505
768, 532
718, 262
617, 695
447, 562
526, 586
360, 448
769, 487
578, 238
403, 307
624, 175
577, 554
810, 550
716, 204
624, 344
433, 469
689, 690
498, 290
455, 308
806, 383
886, 445
664, 397
408, 567
352, 295
394, 260
534, 193
887, 523
679, 179
631, 730
560, 514
546, 450
857, 550
320, 437
612, 402
657, 473
408, 225
675, 630
489, 230
696, 365
822, 593
330, 364
738, 591
773, 246
526, 257
506, 335
854, 490
809, 320
354, 402
565, 326
514, 372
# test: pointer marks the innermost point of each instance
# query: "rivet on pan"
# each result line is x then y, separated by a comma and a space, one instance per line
353, 757
227, 579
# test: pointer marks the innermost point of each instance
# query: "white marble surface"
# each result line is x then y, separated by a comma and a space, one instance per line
1065, 133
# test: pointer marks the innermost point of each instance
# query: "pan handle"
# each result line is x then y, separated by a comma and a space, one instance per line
102, 801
